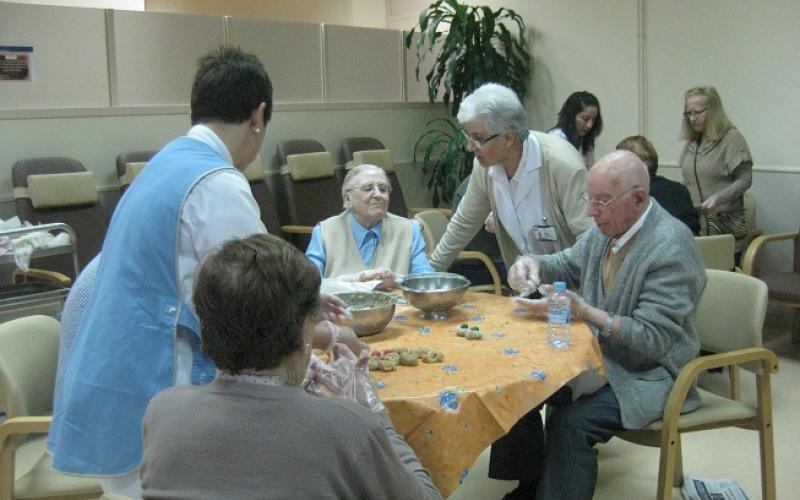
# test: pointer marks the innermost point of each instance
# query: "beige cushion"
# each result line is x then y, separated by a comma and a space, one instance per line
255, 171
308, 166
380, 157
132, 169
713, 409
62, 190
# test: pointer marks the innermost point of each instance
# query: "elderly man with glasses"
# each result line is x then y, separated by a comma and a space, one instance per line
641, 279
533, 183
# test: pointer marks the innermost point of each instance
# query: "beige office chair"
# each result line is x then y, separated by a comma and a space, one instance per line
717, 251
729, 322
434, 225
28, 356
783, 285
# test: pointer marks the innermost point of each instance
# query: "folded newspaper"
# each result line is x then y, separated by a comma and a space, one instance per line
700, 488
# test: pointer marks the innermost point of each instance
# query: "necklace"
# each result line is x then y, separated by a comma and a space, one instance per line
270, 380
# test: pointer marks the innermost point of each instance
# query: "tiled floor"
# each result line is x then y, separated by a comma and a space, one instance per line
630, 472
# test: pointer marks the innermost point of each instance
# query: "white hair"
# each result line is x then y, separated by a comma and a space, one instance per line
349, 182
499, 107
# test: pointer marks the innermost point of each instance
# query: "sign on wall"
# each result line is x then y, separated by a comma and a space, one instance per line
16, 63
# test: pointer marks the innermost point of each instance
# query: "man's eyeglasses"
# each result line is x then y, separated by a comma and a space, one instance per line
478, 143
603, 204
694, 114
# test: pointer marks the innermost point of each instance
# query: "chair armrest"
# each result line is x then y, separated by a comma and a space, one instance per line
54, 277
297, 229
471, 254
23, 425
9, 428
700, 364
415, 210
750, 256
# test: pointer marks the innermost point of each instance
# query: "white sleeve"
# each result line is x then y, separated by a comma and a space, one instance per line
220, 207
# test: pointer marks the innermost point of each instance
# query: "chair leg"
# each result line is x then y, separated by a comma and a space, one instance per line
677, 481
765, 439
666, 467
796, 329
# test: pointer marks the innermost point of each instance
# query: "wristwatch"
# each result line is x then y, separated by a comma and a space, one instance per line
608, 326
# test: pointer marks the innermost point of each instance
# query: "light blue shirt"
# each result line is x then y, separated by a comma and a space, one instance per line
367, 241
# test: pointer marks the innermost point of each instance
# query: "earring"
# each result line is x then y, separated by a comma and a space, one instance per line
256, 130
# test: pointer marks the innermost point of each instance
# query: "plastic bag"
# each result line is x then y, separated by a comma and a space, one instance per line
345, 376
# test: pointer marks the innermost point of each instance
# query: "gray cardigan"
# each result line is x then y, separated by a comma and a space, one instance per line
656, 293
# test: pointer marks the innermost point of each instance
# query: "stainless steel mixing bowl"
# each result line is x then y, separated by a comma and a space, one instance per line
371, 311
434, 293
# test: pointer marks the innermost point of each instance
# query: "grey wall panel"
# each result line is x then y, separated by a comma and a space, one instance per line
290, 52
70, 67
363, 65
154, 55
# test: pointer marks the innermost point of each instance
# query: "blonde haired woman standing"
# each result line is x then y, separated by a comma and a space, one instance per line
715, 163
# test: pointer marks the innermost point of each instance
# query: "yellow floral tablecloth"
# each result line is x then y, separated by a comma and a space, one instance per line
450, 412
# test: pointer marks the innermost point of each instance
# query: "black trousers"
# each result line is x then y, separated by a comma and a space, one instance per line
519, 455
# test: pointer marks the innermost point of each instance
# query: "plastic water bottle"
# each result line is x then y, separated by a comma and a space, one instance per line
559, 312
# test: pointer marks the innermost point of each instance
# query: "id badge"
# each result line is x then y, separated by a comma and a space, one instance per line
545, 233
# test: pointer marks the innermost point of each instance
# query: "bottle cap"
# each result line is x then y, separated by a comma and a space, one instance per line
559, 287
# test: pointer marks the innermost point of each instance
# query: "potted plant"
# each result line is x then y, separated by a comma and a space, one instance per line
471, 46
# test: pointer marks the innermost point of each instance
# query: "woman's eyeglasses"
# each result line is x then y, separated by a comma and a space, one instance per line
478, 143
694, 114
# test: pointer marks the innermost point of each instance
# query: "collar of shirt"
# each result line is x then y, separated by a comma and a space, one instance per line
616, 245
207, 136
360, 232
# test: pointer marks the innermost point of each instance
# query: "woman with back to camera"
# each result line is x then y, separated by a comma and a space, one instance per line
579, 123
254, 432
715, 163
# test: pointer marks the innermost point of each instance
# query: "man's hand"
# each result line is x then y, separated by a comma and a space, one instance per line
538, 307
384, 274
524, 274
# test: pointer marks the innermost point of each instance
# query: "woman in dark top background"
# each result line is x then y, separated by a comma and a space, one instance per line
671, 195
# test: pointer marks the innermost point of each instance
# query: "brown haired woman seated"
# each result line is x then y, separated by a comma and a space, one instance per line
253, 432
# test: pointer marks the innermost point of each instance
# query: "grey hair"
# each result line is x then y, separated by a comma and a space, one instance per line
499, 107
349, 182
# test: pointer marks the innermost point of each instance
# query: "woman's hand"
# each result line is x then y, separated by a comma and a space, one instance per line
332, 308
490, 224
710, 206
349, 338
385, 275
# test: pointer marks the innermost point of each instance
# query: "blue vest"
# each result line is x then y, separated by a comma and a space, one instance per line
124, 351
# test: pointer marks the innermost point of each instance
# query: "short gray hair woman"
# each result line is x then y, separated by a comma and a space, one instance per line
542, 175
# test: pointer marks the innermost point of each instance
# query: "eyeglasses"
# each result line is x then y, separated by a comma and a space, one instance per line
478, 143
694, 114
604, 204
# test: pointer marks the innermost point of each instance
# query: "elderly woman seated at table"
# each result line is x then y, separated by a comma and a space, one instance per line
365, 242
253, 431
